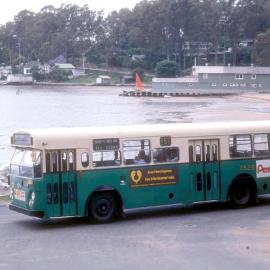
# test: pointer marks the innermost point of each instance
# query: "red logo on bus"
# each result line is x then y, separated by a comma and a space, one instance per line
262, 169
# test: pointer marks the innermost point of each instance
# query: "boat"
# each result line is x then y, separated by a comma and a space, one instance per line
138, 83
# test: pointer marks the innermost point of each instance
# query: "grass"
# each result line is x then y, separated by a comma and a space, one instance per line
115, 77
4, 199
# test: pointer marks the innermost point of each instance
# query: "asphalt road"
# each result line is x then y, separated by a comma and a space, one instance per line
208, 236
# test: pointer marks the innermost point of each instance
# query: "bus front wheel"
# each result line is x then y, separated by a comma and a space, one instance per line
102, 207
240, 195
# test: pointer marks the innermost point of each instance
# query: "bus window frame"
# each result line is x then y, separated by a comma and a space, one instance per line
91, 159
83, 162
41, 157
251, 144
165, 148
137, 163
60, 153
51, 152
266, 153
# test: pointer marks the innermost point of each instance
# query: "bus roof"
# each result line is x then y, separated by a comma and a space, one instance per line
78, 137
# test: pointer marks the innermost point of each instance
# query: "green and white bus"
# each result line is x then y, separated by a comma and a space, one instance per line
99, 172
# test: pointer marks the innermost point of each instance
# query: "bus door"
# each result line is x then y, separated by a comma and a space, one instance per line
52, 181
204, 169
196, 170
68, 182
211, 169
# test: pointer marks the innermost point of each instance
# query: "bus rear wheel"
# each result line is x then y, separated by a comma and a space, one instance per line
102, 207
240, 195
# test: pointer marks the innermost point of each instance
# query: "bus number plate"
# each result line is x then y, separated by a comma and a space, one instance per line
19, 195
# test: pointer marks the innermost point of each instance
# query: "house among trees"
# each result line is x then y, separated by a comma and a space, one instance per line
192, 48
69, 68
224, 79
137, 57
103, 80
41, 68
5, 71
64, 66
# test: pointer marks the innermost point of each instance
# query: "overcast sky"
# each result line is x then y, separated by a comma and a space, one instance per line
9, 8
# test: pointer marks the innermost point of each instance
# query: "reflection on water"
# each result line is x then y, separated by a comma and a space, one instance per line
39, 107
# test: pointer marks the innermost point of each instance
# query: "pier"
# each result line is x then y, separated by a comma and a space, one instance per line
170, 94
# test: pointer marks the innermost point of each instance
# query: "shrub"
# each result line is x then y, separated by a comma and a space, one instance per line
59, 75
166, 69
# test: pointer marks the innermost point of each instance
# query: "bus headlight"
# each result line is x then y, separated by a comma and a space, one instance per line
11, 193
31, 201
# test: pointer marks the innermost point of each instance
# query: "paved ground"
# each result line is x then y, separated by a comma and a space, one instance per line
207, 236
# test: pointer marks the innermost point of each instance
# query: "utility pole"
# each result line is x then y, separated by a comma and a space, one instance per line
83, 61
19, 45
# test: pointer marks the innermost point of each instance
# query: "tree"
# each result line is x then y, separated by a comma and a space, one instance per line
262, 49
4, 55
166, 69
160, 28
37, 74
69, 30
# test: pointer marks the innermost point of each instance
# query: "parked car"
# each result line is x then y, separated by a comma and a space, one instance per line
4, 185
4, 172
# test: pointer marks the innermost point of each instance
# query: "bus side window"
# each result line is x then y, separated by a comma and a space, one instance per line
106, 152
106, 158
240, 146
85, 159
64, 161
136, 152
207, 153
48, 162
190, 153
215, 152
166, 154
198, 153
261, 145
54, 162
37, 167
70, 161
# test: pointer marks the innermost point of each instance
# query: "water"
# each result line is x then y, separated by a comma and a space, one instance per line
42, 107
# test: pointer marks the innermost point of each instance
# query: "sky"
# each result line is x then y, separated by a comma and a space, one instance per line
10, 8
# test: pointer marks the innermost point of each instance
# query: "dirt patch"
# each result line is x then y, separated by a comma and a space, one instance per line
4, 200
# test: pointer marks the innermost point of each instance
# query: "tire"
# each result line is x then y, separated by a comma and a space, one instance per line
102, 207
240, 195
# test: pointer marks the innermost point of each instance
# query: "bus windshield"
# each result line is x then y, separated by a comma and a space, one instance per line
26, 163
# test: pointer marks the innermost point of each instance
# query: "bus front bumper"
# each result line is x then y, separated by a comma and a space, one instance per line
39, 214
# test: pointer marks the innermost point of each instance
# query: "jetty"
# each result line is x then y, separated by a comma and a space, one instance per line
135, 93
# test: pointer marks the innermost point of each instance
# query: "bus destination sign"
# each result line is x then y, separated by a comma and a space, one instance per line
109, 144
153, 177
22, 139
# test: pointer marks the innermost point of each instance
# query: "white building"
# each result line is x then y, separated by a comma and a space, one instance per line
217, 79
76, 72
5, 71
103, 80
